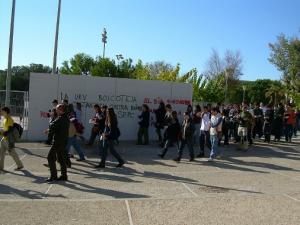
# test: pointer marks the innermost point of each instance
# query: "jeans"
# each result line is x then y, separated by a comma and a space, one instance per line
204, 139
109, 144
214, 146
72, 141
189, 143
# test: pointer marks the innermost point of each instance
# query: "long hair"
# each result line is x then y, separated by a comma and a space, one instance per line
111, 118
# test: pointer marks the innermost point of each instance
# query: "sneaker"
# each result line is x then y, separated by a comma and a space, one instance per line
62, 178
19, 168
51, 179
80, 160
200, 155
120, 165
177, 160
100, 166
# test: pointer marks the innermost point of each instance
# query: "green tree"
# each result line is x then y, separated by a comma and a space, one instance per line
79, 64
104, 67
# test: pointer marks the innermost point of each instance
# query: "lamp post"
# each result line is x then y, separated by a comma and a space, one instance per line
104, 40
244, 92
11, 40
54, 68
226, 84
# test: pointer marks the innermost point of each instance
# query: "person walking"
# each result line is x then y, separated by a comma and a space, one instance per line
144, 125
268, 120
197, 123
159, 124
258, 121
172, 132
58, 151
72, 141
278, 122
186, 137
6, 143
214, 125
109, 135
96, 128
204, 132
289, 122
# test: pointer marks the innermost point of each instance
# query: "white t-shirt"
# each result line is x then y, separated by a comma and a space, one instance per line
205, 123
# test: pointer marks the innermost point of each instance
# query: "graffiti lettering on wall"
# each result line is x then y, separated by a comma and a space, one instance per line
167, 101
116, 98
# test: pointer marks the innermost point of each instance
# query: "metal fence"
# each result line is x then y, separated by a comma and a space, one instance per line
19, 102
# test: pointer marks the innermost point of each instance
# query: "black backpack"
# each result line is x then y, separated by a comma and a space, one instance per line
17, 131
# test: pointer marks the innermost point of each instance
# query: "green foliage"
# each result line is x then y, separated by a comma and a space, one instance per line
104, 67
79, 64
285, 55
20, 76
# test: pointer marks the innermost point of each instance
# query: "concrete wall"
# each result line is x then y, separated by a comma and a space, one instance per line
125, 95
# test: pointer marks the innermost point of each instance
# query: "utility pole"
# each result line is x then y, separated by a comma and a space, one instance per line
104, 40
10, 51
56, 39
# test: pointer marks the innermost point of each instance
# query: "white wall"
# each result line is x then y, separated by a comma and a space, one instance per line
125, 95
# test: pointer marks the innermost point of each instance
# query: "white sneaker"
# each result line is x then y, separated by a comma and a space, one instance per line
210, 160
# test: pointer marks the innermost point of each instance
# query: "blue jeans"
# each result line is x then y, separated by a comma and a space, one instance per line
288, 131
72, 141
204, 139
214, 146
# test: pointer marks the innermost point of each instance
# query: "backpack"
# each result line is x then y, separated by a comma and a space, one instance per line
17, 131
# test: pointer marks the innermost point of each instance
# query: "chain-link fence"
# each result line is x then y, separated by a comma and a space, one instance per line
19, 107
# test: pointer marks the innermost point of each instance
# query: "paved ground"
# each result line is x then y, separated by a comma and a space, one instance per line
259, 187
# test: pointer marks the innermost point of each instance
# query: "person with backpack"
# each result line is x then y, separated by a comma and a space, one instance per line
186, 137
7, 141
74, 132
109, 136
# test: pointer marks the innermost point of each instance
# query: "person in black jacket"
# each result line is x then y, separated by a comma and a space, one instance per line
268, 120
144, 125
172, 132
59, 128
109, 136
186, 136
159, 124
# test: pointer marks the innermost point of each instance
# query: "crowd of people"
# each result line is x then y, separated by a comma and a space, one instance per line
208, 126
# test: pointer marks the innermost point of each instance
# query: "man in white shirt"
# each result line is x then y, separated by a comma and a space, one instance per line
204, 132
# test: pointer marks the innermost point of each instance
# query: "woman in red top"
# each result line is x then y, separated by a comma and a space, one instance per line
290, 120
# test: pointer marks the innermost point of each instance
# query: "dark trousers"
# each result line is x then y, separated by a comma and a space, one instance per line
258, 129
267, 132
278, 126
93, 137
158, 131
59, 153
143, 132
167, 143
249, 136
109, 144
288, 132
225, 132
204, 139
189, 143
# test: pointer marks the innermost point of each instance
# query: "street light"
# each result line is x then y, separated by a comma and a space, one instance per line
54, 67
11, 40
244, 92
226, 83
104, 40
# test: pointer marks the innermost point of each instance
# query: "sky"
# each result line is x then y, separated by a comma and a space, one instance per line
175, 31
